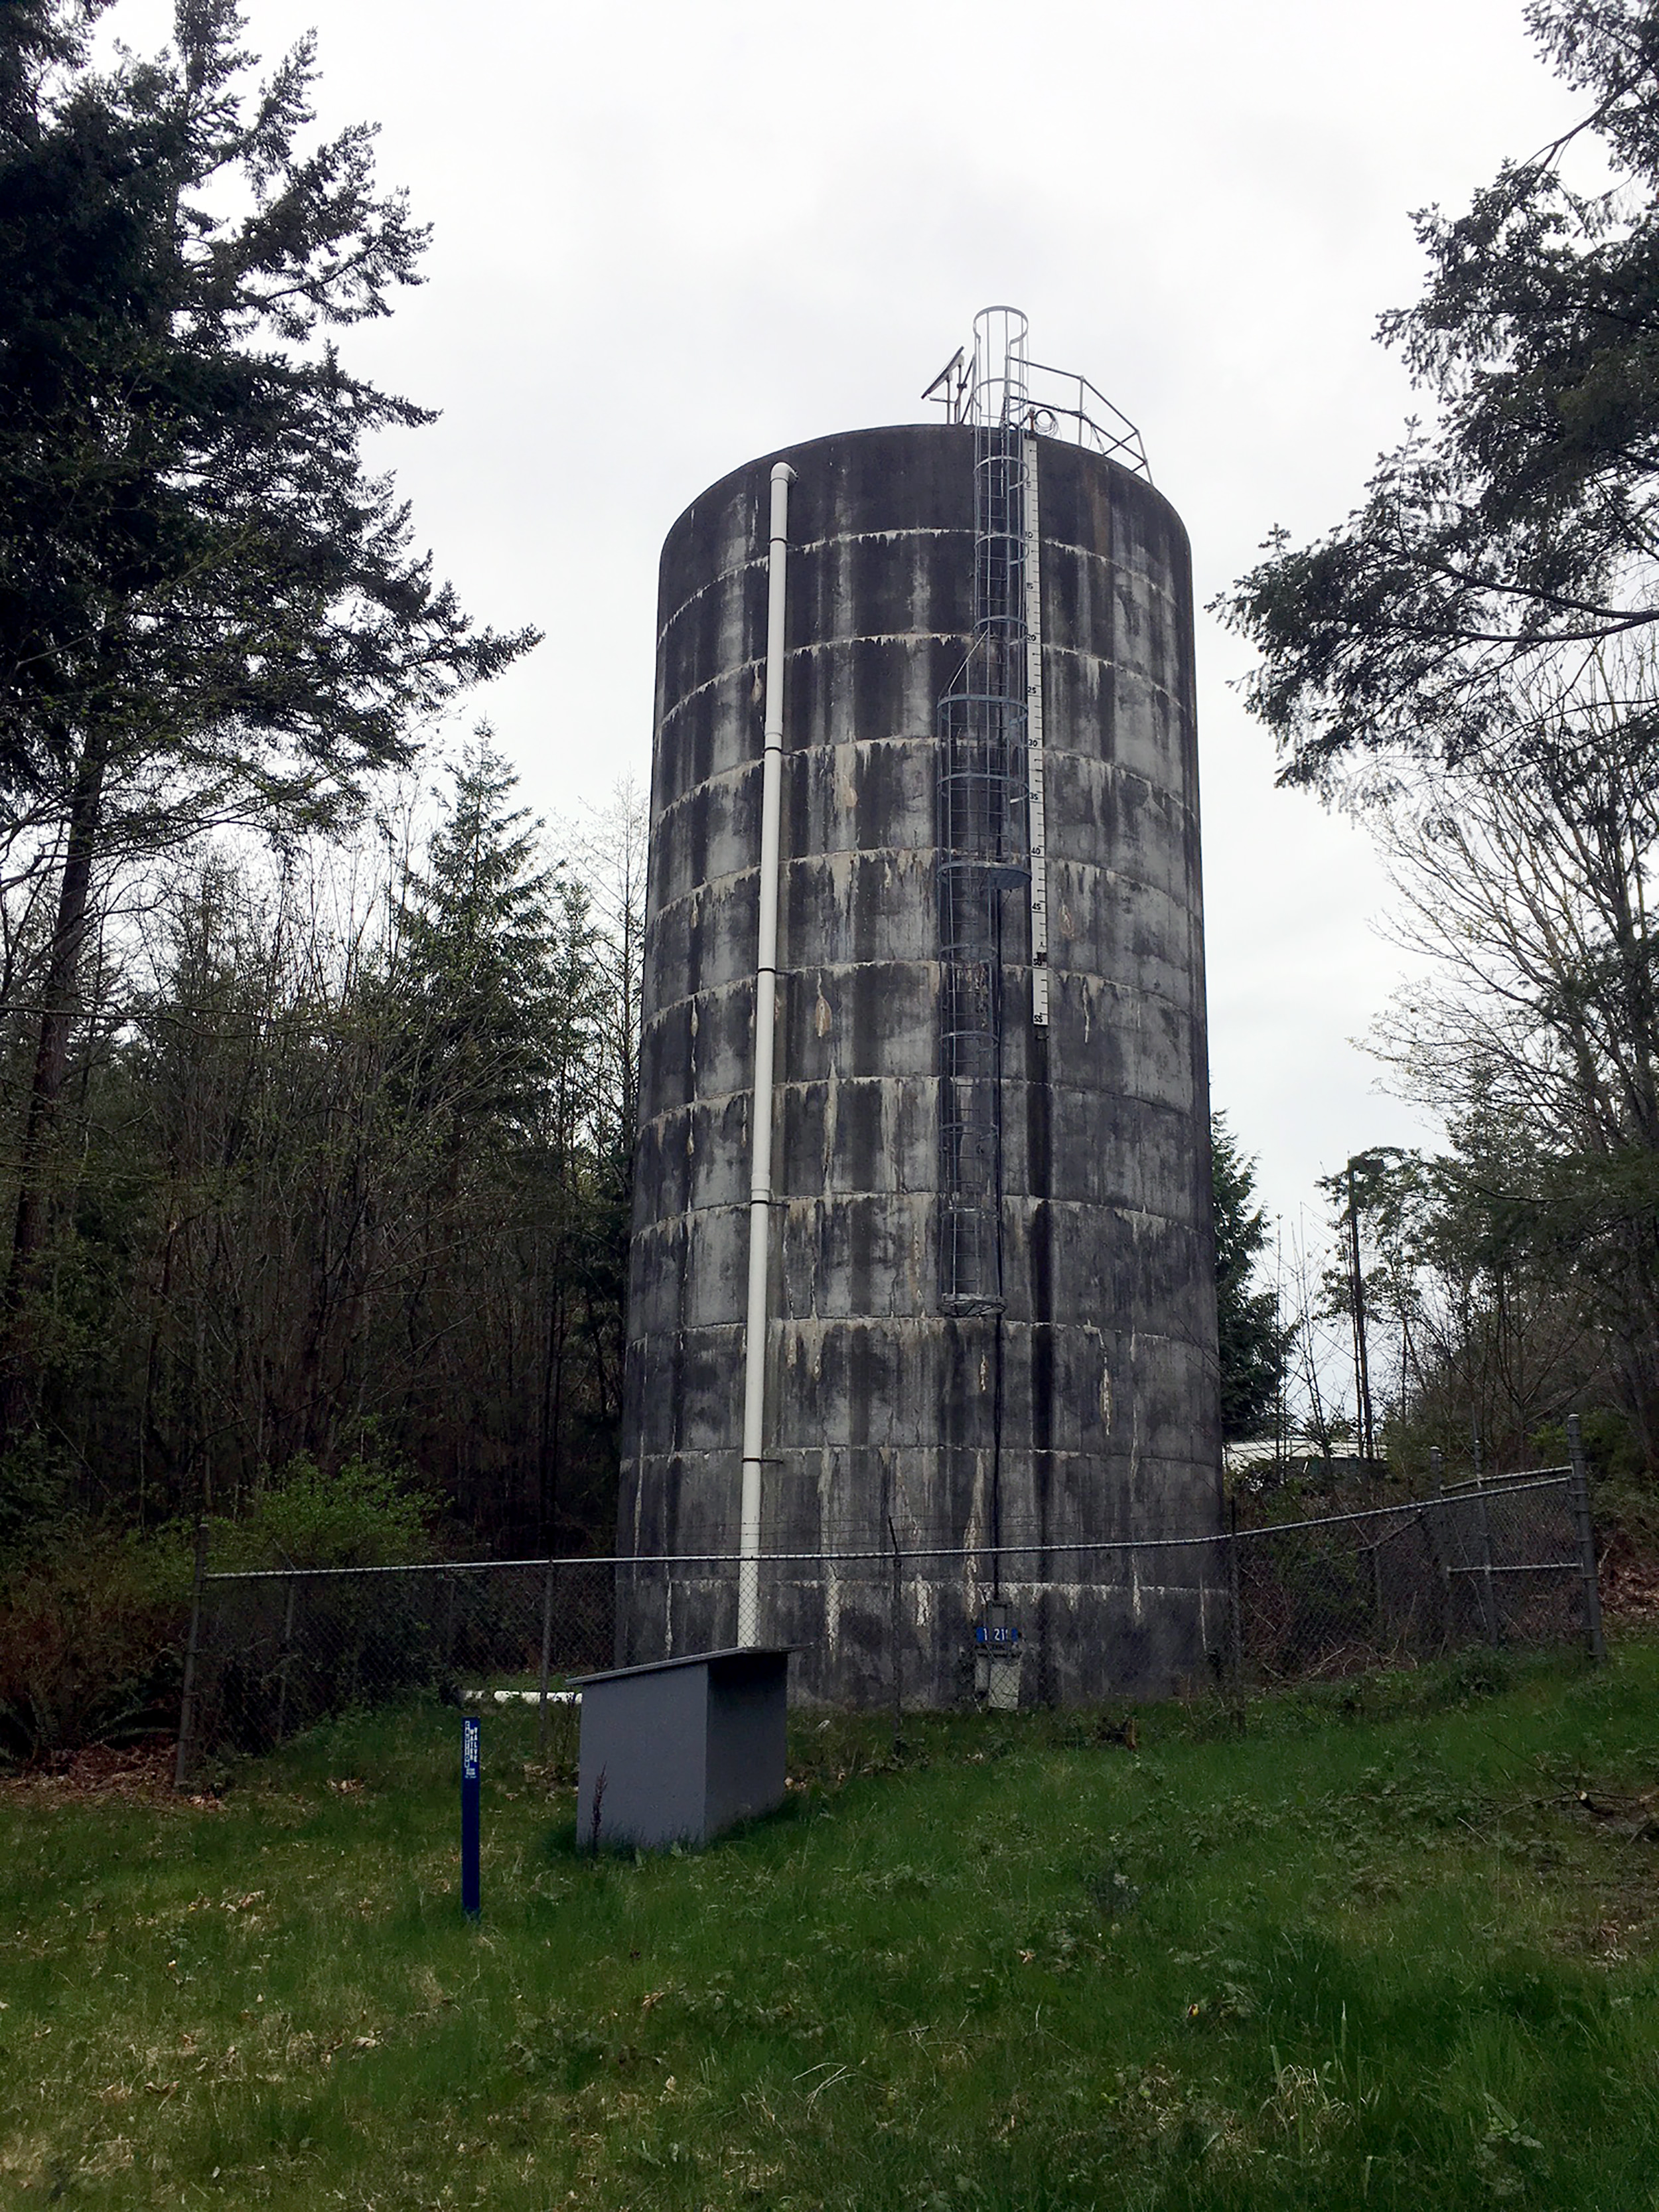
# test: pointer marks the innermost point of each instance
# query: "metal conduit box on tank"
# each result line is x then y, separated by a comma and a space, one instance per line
675, 1753
990, 1296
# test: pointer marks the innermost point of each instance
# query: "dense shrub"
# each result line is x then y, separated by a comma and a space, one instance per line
283, 1649
93, 1621
91, 1638
367, 1512
33, 1489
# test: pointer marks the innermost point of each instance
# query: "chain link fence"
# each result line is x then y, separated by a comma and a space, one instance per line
273, 1651
1507, 1563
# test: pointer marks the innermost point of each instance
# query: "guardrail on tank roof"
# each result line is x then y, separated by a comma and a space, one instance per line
974, 388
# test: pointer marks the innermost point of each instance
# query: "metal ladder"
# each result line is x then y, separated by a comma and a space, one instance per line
983, 844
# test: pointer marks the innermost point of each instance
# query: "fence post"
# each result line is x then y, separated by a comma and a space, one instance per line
1236, 1604
1434, 1525
287, 1659
1579, 1488
895, 1615
187, 1692
547, 1654
1488, 1593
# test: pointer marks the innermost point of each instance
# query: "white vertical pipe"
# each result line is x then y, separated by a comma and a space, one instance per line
762, 1110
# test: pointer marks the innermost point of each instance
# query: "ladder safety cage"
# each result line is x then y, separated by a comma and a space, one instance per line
983, 849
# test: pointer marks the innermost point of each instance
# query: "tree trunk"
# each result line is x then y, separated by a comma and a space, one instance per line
552, 1418
60, 1001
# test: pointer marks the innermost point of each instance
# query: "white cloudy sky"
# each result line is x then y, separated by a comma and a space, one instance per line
668, 237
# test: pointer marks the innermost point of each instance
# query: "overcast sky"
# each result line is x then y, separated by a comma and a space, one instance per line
669, 238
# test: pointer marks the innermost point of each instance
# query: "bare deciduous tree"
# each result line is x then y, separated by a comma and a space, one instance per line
1525, 887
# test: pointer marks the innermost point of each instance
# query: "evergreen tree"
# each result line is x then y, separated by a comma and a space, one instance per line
498, 987
1517, 532
1252, 1344
492, 962
208, 610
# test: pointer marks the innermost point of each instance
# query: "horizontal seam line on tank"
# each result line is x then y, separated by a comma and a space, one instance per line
1138, 884
865, 1560
954, 1553
1137, 1214
1051, 1081
926, 854
758, 559
712, 1099
1092, 553
801, 752
1056, 745
1106, 660
911, 1323
1082, 553
848, 1536
873, 1551
738, 668
906, 1324
845, 1539
908, 853
1140, 994
752, 761
1116, 769
963, 638
916, 853
1176, 1012
1155, 691
929, 852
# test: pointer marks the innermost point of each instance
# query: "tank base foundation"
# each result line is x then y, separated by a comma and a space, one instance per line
1147, 1630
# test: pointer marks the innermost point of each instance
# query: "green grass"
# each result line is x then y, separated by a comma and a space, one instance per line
1371, 1949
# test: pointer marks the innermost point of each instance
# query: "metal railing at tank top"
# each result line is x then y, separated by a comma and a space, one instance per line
1095, 421
1055, 403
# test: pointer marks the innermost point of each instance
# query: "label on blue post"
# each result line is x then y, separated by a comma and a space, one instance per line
470, 1762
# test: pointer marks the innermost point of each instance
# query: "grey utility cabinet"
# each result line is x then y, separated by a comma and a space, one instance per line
674, 1751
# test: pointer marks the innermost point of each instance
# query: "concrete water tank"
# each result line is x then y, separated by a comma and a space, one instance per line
1086, 1410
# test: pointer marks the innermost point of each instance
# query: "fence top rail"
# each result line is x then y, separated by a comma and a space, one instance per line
1552, 1477
1490, 1482
1548, 1479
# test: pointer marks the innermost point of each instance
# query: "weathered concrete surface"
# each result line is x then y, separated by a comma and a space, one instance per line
879, 1406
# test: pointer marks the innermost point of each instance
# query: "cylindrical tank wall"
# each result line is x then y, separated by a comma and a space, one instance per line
1100, 1375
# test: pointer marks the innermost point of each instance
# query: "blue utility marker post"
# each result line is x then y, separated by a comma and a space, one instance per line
470, 1763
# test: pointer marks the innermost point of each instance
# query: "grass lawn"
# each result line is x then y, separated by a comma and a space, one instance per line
1373, 1948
